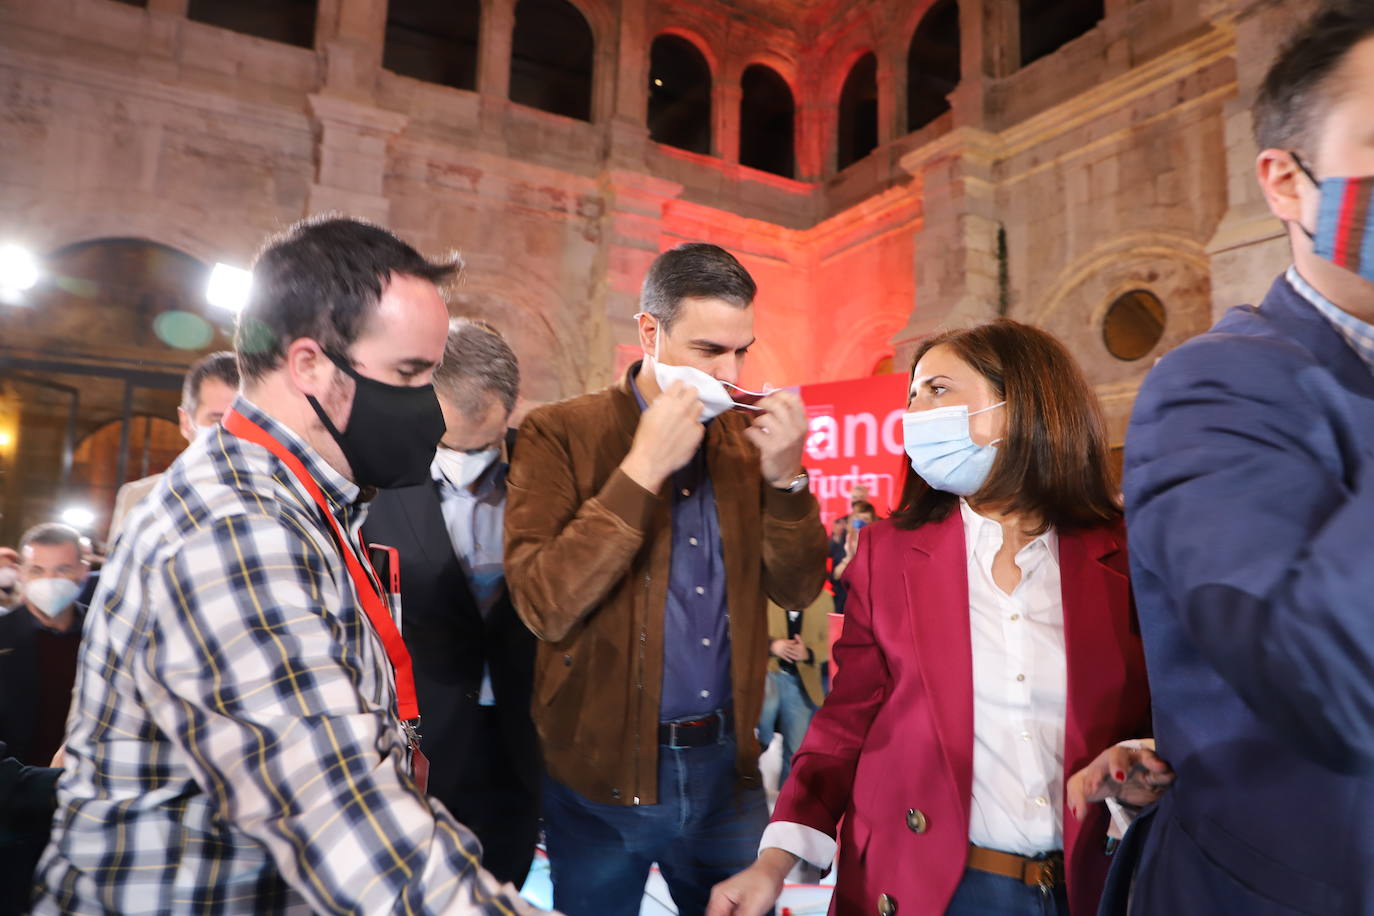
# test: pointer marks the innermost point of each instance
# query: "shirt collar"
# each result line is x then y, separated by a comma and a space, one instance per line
338, 489
978, 526
1359, 334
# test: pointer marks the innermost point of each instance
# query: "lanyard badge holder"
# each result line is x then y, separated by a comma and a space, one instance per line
366, 584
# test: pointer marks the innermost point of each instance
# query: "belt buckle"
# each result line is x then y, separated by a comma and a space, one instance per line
1046, 874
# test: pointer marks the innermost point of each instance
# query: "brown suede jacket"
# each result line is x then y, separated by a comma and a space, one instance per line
587, 560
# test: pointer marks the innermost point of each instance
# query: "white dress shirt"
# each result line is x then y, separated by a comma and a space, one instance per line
475, 517
1020, 695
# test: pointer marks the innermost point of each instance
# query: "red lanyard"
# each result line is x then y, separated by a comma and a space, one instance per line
369, 595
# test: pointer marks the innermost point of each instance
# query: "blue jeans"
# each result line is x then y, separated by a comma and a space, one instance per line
786, 709
702, 831
981, 893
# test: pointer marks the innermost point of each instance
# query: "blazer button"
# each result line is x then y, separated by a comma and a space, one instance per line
886, 905
567, 661
916, 821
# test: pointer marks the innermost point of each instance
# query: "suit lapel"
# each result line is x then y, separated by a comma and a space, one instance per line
1094, 596
936, 575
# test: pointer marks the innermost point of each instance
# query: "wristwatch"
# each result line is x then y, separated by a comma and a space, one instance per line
796, 484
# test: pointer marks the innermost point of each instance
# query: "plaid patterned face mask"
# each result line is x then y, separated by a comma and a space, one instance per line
1345, 222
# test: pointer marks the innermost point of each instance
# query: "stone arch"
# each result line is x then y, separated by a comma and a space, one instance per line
558, 75
857, 120
1172, 267
681, 89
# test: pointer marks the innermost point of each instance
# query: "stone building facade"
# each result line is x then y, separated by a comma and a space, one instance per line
1063, 173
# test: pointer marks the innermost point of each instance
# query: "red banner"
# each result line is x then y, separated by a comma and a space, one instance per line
855, 439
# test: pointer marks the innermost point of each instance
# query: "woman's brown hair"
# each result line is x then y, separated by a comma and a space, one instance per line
1052, 463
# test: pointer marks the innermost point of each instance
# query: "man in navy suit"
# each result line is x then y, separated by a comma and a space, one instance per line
1249, 486
473, 658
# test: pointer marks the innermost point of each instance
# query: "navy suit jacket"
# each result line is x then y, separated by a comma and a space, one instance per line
1249, 483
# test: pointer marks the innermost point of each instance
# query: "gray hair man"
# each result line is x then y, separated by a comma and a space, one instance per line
473, 658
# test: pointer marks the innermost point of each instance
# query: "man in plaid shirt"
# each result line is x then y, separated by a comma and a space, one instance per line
234, 744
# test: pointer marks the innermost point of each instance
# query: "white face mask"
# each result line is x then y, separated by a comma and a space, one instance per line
9, 577
51, 596
715, 399
463, 468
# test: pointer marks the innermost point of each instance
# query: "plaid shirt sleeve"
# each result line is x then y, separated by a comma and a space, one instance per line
261, 686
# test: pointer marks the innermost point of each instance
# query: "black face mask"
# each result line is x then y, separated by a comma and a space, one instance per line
392, 431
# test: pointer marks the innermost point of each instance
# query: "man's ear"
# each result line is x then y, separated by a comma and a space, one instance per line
310, 371
1282, 182
648, 332
186, 424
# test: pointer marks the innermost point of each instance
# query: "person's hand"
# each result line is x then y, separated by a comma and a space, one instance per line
669, 433
851, 544
1133, 777
791, 650
753, 891
59, 759
779, 432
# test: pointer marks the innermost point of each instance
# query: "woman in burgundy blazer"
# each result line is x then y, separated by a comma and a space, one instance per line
888, 763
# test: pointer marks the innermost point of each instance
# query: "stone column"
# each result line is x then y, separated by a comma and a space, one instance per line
493, 48
957, 265
815, 130
989, 49
888, 76
725, 129
351, 34
632, 227
351, 152
1250, 246
627, 129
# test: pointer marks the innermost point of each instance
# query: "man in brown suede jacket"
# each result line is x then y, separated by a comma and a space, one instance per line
647, 525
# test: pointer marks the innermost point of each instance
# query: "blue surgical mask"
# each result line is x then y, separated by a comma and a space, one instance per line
941, 451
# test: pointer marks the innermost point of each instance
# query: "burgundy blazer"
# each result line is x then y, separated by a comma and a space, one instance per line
891, 751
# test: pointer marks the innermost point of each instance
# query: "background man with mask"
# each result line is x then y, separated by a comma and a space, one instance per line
9, 577
1249, 482
39, 639
474, 659
237, 741
206, 393
648, 523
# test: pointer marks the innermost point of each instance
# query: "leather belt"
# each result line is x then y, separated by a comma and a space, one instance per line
1044, 872
696, 732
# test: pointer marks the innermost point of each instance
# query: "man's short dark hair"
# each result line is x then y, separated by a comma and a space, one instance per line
321, 279
863, 507
694, 270
478, 364
1301, 84
51, 534
223, 365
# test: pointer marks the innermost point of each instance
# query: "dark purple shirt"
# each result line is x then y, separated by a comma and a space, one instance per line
696, 631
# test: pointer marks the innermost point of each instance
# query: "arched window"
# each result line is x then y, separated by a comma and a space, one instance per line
1047, 25
932, 64
288, 21
551, 58
858, 123
434, 42
766, 115
679, 95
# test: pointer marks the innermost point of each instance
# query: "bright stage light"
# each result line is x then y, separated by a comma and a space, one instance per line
78, 517
229, 287
18, 268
